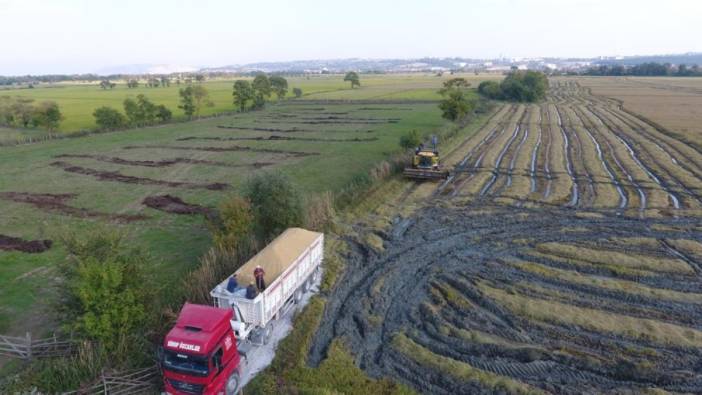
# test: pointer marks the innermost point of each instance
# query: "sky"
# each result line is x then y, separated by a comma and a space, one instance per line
81, 36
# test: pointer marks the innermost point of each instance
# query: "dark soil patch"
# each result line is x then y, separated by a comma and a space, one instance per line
277, 130
57, 203
162, 163
233, 148
351, 119
175, 205
119, 177
384, 109
9, 243
285, 138
331, 122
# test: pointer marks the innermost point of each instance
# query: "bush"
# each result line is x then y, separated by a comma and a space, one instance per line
106, 293
456, 106
108, 118
233, 224
490, 89
521, 86
410, 140
276, 203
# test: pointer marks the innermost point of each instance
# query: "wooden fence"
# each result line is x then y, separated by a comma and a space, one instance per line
27, 348
140, 381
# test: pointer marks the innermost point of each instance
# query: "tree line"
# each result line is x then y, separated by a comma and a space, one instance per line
20, 112
646, 69
520, 86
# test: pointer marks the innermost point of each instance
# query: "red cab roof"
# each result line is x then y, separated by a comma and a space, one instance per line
198, 329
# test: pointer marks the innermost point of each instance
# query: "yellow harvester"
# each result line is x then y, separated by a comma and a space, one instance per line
426, 166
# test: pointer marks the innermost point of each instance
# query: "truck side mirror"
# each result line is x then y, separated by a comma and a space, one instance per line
159, 354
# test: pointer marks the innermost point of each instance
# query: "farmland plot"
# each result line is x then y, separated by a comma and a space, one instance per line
563, 256
157, 184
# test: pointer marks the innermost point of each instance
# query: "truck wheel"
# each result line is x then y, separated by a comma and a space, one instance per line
232, 387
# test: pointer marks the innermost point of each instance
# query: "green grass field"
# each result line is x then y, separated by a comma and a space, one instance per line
78, 101
176, 241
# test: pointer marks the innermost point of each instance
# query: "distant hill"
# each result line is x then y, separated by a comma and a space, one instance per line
135, 69
688, 58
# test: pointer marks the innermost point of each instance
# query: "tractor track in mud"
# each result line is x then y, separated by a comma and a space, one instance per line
472, 282
452, 246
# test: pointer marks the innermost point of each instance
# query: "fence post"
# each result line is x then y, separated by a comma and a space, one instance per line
29, 346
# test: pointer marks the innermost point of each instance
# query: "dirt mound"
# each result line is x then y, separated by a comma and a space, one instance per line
53, 202
233, 148
175, 205
160, 163
8, 243
119, 177
282, 138
277, 130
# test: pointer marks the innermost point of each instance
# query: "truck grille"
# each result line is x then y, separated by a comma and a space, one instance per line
195, 389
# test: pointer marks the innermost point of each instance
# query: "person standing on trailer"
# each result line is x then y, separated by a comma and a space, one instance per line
259, 273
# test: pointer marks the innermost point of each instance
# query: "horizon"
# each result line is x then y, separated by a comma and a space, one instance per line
80, 37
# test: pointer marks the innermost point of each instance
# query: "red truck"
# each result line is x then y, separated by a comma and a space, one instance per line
199, 355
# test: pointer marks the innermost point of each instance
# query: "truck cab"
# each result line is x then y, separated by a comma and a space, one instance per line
199, 355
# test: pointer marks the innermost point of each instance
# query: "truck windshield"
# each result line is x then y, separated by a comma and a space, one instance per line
185, 363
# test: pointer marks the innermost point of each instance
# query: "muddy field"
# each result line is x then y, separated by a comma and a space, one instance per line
564, 256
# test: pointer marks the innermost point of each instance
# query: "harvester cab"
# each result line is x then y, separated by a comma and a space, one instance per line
425, 164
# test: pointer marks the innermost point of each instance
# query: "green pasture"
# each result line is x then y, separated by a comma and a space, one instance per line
176, 241
78, 101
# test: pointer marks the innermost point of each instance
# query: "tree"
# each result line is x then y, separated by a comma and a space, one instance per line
199, 77
276, 203
132, 83
261, 86
108, 118
165, 81
490, 89
410, 140
279, 86
243, 92
455, 105
48, 115
141, 111
131, 109
523, 86
460, 83
104, 84
297, 92
22, 112
153, 82
233, 224
106, 291
163, 114
352, 77
192, 99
